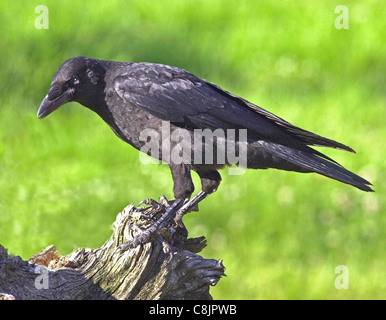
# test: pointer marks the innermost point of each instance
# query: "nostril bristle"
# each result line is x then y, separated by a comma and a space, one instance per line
54, 92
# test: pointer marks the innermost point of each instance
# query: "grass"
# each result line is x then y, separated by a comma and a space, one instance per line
280, 234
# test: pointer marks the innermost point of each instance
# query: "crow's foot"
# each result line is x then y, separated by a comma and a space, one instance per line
145, 235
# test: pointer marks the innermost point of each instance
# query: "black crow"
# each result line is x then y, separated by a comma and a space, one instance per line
136, 99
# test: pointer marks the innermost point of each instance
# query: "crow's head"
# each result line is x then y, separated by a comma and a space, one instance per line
77, 79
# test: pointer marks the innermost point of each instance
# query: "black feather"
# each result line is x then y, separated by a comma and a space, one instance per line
317, 164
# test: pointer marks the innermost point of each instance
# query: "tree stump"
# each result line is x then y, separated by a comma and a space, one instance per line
167, 267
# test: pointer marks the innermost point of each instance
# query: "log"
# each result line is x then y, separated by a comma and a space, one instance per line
167, 267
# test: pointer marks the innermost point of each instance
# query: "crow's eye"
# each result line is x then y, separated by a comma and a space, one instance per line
74, 80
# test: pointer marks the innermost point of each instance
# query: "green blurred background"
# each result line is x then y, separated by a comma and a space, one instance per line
280, 234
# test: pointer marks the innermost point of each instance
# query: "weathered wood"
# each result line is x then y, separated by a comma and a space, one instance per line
168, 267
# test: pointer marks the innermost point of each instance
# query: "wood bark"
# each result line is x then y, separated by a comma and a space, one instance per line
167, 267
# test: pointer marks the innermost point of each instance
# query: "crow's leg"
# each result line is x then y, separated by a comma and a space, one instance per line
183, 184
183, 189
210, 180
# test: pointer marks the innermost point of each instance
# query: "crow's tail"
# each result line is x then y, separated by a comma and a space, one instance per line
316, 162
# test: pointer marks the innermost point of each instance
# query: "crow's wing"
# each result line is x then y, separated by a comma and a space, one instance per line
178, 96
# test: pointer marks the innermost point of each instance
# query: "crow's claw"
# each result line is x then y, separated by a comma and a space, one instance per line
148, 201
165, 202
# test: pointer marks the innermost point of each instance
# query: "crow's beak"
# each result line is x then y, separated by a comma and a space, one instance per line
51, 102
